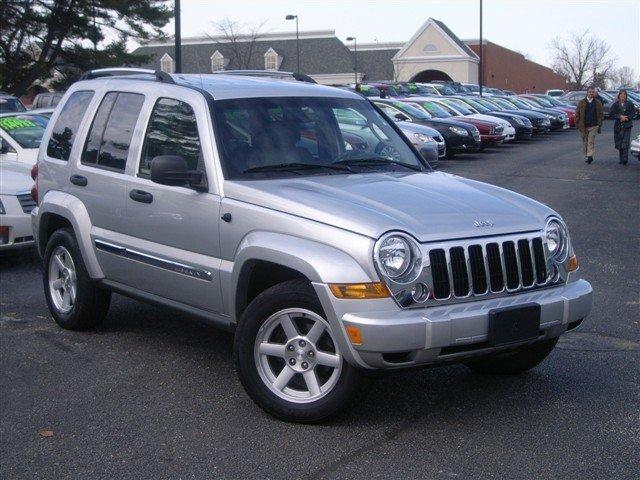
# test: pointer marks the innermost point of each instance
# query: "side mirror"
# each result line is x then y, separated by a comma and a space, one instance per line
402, 117
173, 170
5, 147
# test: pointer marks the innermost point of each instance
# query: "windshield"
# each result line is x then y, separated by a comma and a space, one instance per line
488, 104
540, 101
520, 103
412, 111
472, 88
10, 105
283, 136
369, 91
458, 105
435, 110
26, 130
477, 105
445, 89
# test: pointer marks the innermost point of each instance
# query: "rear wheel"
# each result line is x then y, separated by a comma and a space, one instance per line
516, 362
74, 301
287, 356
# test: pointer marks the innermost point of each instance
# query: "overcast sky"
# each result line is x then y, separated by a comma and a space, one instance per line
526, 26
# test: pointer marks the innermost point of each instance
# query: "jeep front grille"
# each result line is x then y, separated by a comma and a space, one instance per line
26, 202
489, 267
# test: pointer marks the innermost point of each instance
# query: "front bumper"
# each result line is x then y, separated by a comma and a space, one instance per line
15, 225
523, 132
635, 149
394, 338
492, 139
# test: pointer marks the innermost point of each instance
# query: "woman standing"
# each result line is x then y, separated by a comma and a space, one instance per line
623, 111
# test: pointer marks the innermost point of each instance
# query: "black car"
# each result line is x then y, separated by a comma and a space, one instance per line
539, 121
458, 136
522, 125
558, 118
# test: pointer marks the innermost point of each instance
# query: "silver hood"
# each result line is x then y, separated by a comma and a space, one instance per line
430, 206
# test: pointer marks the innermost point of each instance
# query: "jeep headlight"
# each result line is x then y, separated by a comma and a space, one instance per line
459, 131
398, 257
557, 239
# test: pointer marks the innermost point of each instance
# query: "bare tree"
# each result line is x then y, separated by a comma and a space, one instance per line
241, 40
624, 77
582, 58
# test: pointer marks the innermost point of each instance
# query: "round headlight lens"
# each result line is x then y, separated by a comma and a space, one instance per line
395, 256
557, 240
459, 131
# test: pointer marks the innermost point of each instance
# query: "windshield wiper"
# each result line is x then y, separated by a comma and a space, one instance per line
375, 161
283, 167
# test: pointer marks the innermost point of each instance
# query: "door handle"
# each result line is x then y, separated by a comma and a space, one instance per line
141, 196
78, 180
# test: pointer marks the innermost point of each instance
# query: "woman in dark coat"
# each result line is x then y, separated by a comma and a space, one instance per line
622, 110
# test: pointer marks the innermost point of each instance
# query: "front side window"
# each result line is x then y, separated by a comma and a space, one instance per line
110, 135
281, 136
26, 130
67, 125
172, 130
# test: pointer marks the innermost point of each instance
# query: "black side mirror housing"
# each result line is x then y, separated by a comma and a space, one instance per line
4, 146
173, 170
401, 117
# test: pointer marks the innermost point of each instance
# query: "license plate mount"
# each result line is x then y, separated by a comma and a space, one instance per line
514, 324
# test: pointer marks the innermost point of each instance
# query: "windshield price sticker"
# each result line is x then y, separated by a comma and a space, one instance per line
12, 123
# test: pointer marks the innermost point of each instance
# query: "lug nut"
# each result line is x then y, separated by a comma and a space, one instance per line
292, 361
305, 365
290, 348
310, 353
302, 343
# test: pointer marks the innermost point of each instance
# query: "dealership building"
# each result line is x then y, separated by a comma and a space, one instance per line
434, 52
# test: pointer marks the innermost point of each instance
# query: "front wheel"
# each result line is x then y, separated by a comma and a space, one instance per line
513, 363
287, 356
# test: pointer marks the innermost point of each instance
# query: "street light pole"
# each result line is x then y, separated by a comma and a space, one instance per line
291, 17
481, 65
178, 38
355, 58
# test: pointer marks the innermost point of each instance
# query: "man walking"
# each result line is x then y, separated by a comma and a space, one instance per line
589, 117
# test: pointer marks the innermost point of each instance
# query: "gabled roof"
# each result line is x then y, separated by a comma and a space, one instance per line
454, 37
462, 47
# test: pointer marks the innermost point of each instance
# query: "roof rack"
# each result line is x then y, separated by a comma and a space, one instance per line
159, 75
301, 77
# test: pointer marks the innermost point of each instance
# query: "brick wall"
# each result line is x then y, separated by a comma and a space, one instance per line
504, 68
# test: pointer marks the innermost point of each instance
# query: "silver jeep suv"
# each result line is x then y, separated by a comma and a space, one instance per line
329, 248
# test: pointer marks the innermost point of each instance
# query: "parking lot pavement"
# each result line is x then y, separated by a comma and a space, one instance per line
153, 393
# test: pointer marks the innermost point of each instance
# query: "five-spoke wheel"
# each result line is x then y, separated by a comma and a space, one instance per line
63, 282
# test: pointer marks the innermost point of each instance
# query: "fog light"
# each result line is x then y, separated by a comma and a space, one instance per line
355, 335
360, 291
419, 292
573, 264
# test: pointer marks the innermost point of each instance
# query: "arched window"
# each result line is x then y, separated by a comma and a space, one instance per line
272, 60
218, 61
430, 48
166, 63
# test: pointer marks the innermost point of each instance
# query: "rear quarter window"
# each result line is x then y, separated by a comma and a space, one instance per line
66, 127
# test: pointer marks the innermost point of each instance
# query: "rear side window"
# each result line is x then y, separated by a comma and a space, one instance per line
172, 130
66, 128
111, 131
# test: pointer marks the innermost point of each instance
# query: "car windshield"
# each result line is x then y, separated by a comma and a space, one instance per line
445, 90
477, 105
26, 130
10, 105
488, 104
553, 101
369, 91
282, 136
458, 105
435, 109
472, 88
541, 101
520, 103
412, 111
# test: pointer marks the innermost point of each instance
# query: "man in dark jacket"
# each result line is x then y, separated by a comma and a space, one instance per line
589, 118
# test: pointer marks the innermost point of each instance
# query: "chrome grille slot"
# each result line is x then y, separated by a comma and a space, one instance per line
459, 272
480, 268
439, 274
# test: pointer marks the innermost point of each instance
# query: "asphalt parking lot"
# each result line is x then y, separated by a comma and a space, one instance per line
153, 393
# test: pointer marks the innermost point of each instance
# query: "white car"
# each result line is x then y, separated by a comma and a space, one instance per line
20, 136
15, 206
635, 147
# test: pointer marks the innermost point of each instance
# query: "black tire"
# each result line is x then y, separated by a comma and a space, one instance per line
289, 294
92, 302
516, 362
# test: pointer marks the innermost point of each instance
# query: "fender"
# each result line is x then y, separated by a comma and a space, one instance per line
74, 211
318, 262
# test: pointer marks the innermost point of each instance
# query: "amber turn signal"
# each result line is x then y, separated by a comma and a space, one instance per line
572, 266
355, 335
360, 291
